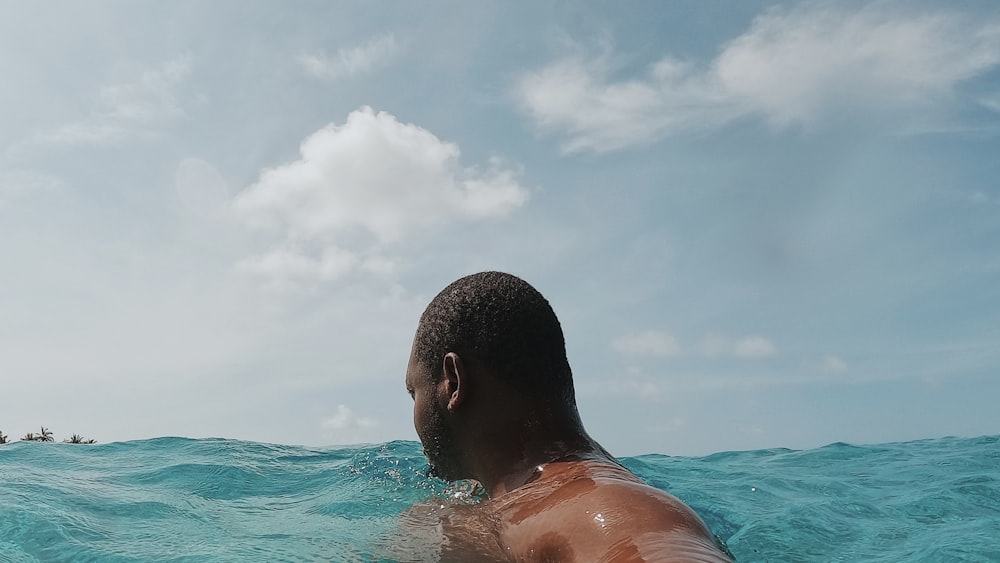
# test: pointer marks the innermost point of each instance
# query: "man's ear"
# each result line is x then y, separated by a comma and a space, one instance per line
456, 380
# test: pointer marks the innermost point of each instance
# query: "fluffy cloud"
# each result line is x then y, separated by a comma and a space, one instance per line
361, 187
347, 419
126, 110
649, 343
360, 59
794, 66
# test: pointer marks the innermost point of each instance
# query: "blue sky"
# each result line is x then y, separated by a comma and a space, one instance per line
761, 224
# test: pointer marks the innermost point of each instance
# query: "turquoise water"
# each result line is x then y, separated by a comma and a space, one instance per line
175, 499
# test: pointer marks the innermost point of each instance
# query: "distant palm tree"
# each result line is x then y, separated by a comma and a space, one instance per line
78, 439
45, 436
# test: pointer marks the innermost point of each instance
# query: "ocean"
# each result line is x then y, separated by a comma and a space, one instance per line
178, 499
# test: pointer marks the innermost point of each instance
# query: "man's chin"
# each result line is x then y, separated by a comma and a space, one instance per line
443, 472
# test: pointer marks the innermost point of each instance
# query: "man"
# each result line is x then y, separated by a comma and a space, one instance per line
494, 402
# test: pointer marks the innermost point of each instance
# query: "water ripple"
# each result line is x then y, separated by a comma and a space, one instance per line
177, 499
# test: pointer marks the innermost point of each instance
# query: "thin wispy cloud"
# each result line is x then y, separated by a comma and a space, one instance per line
991, 101
832, 364
748, 347
794, 66
285, 267
360, 59
362, 187
647, 343
980, 197
16, 184
655, 343
630, 383
126, 110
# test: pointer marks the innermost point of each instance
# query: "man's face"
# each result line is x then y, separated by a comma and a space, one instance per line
429, 420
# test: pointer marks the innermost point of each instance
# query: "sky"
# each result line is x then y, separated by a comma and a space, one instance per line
762, 224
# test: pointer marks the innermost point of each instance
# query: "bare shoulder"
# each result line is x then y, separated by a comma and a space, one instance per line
642, 506
607, 515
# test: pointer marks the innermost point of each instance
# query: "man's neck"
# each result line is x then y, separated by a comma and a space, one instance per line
515, 457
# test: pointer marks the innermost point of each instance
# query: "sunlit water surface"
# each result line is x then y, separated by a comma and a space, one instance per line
174, 499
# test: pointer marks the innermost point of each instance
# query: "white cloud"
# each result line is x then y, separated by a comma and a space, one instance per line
649, 343
286, 267
750, 347
128, 109
874, 56
794, 66
753, 347
832, 364
576, 96
346, 419
630, 383
658, 343
361, 59
359, 187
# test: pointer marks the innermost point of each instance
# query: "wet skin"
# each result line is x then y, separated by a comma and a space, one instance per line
554, 494
595, 510
574, 511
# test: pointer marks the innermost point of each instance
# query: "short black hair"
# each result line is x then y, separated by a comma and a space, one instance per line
500, 321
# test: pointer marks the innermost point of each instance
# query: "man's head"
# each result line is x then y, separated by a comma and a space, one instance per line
495, 326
